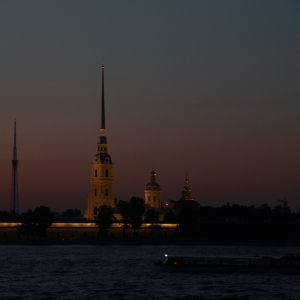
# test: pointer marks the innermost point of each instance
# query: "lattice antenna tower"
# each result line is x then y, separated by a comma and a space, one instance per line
14, 198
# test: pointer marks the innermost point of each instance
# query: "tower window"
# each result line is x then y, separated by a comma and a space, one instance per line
154, 200
96, 173
95, 192
106, 192
104, 148
148, 198
106, 173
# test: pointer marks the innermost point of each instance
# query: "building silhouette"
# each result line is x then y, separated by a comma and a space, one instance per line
14, 196
102, 170
186, 193
152, 192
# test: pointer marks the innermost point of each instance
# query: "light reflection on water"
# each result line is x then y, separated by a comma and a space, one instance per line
124, 272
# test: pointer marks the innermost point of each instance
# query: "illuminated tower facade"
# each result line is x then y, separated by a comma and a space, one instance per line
153, 192
14, 197
186, 193
102, 170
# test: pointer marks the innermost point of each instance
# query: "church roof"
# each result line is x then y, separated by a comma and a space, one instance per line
152, 183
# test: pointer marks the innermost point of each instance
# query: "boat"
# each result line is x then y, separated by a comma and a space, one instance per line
289, 264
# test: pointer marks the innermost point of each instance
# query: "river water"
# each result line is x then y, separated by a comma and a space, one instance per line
124, 272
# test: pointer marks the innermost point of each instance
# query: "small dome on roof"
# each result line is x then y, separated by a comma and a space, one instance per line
152, 183
152, 186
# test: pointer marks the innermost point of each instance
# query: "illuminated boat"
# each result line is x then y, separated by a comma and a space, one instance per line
265, 264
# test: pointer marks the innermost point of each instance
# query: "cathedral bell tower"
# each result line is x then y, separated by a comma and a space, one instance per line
102, 176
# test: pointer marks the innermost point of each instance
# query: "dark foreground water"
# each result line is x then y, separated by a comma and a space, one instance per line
123, 272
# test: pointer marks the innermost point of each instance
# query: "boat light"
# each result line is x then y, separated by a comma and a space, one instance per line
166, 255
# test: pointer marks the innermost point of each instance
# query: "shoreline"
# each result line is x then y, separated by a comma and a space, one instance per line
144, 242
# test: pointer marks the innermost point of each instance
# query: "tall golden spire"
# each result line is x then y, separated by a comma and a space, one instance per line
102, 102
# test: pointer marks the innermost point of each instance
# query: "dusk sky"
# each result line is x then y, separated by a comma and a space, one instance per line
210, 88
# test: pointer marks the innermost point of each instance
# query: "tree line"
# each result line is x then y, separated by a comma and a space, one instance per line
34, 223
186, 214
132, 213
190, 216
68, 215
236, 212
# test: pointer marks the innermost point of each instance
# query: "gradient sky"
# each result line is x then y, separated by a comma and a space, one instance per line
210, 88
